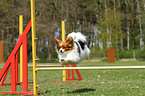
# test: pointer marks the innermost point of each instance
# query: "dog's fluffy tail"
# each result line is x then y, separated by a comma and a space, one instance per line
77, 36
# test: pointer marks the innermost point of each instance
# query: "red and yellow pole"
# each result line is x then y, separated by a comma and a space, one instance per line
63, 39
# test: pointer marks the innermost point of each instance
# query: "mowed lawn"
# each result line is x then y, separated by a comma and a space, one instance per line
109, 82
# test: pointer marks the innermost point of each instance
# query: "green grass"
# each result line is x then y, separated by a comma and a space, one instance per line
115, 82
117, 63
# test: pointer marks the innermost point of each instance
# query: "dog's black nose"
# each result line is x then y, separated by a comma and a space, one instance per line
61, 51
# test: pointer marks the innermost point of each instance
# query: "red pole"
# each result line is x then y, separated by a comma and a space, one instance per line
72, 73
17, 60
13, 74
79, 75
25, 73
4, 77
68, 74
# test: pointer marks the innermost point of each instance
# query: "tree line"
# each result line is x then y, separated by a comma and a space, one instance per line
115, 24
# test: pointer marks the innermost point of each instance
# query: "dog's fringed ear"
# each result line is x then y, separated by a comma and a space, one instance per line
57, 41
69, 40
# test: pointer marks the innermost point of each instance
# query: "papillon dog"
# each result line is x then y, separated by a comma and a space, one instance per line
73, 50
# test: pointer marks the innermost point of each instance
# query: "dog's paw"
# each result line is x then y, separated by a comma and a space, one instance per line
62, 61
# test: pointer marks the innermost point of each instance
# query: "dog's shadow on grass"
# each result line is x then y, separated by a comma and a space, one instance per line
82, 90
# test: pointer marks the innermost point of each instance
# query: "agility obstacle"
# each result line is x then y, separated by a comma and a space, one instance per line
63, 39
91, 68
12, 62
69, 73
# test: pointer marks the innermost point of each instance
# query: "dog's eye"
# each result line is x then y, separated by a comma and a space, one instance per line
58, 47
64, 47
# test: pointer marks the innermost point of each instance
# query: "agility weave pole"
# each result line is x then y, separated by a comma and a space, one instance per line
35, 86
21, 47
63, 39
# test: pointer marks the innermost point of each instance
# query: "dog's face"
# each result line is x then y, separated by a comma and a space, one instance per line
65, 46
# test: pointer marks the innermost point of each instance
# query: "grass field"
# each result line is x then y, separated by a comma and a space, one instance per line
118, 82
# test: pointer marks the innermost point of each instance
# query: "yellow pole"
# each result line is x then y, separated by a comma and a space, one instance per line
63, 39
34, 47
21, 48
63, 30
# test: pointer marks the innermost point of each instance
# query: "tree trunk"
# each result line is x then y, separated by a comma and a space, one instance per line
127, 35
3, 32
121, 32
140, 27
127, 25
106, 10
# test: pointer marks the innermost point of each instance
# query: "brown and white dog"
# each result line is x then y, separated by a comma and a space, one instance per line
73, 49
